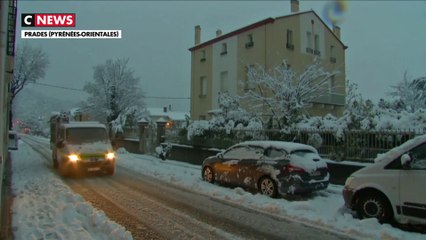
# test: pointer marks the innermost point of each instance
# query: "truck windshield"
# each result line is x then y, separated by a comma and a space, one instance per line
86, 135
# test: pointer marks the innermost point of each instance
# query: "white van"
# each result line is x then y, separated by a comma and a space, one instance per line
394, 187
12, 143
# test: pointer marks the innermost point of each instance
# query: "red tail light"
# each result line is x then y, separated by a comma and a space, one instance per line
291, 168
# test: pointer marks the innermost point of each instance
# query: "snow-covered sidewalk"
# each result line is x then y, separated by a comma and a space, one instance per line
45, 208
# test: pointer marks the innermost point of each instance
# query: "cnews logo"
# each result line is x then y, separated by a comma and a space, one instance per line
48, 20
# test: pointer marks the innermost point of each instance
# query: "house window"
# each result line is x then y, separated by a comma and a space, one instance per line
332, 54
316, 45
223, 81
224, 49
249, 42
289, 44
203, 86
309, 43
331, 84
202, 117
203, 56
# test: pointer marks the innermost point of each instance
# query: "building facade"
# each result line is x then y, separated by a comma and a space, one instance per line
221, 64
7, 52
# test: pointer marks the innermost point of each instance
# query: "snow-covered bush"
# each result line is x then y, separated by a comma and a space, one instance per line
315, 140
127, 117
197, 128
229, 124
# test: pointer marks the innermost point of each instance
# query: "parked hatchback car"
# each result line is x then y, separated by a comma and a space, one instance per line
12, 140
392, 187
268, 167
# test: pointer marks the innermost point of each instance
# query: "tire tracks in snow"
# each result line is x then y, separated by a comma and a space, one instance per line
167, 220
151, 209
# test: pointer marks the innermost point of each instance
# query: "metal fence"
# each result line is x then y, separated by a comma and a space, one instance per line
356, 145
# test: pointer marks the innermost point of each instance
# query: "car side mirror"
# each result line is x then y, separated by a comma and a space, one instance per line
60, 144
219, 155
406, 161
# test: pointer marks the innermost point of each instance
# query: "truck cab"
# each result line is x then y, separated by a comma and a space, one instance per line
79, 147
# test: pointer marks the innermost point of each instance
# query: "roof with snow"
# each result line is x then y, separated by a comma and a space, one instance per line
401, 149
258, 24
159, 112
287, 146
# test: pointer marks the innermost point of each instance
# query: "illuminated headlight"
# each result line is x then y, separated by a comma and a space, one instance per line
110, 156
73, 157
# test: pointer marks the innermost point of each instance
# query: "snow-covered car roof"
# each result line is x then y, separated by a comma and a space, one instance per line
401, 149
84, 124
287, 146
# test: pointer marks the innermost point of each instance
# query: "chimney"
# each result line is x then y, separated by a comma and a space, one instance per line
336, 31
218, 33
294, 6
197, 34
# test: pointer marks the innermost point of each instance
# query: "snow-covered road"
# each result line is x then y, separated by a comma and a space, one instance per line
45, 198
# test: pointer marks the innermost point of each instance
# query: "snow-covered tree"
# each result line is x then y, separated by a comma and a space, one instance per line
230, 116
283, 93
30, 65
409, 94
231, 111
359, 113
115, 94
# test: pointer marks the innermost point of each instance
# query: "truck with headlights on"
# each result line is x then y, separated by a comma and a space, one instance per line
80, 146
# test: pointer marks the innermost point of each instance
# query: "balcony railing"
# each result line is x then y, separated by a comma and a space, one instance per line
331, 98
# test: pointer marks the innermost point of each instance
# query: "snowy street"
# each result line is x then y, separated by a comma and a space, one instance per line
149, 198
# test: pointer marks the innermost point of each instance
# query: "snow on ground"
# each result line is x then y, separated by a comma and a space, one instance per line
45, 208
324, 209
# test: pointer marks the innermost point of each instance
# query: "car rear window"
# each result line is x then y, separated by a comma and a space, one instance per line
302, 152
276, 153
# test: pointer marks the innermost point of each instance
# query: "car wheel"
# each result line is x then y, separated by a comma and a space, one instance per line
374, 205
268, 187
208, 175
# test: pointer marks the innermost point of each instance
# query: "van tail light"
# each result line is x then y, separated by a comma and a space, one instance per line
291, 168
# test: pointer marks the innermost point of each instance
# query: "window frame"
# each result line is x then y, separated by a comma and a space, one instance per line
289, 44
203, 86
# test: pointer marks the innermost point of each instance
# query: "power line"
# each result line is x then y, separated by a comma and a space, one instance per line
55, 86
81, 90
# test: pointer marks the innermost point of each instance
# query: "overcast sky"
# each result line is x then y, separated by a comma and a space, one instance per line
385, 38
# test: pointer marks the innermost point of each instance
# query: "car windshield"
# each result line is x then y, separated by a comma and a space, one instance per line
86, 135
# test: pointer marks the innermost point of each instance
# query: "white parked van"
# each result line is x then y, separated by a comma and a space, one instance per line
393, 187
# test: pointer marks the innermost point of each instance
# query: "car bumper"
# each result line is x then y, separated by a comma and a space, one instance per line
298, 187
348, 195
90, 166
